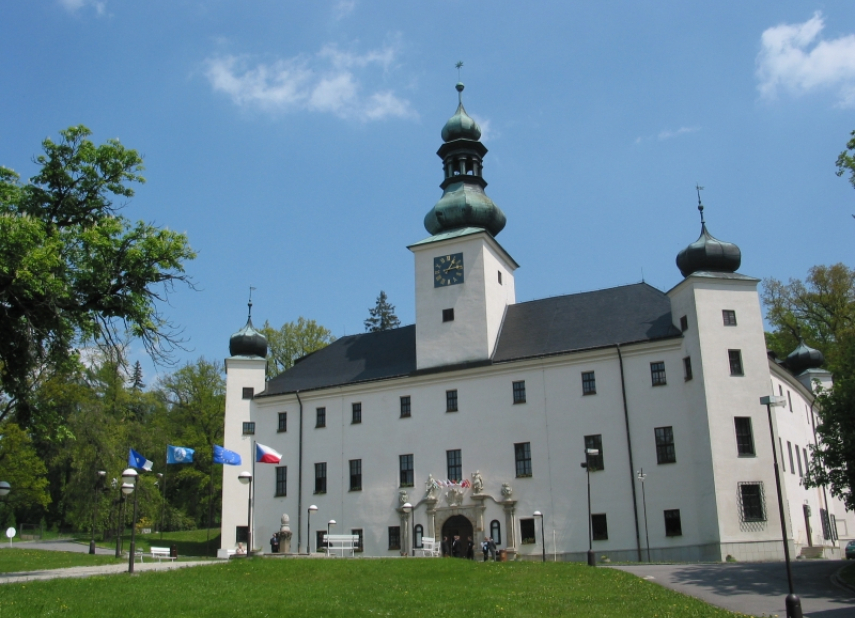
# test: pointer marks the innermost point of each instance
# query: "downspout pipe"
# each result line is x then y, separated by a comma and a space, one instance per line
300, 480
629, 449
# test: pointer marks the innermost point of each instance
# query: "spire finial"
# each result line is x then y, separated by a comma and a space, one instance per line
249, 304
699, 188
459, 85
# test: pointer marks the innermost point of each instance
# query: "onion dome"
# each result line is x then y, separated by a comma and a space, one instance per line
248, 341
708, 253
804, 357
464, 202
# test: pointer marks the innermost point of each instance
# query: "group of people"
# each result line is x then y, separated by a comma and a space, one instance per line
458, 548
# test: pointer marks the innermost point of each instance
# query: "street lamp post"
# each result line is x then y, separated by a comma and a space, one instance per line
407, 508
641, 477
129, 476
312, 509
590, 452
792, 602
542, 538
246, 478
99, 476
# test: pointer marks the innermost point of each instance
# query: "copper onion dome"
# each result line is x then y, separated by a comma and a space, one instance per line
708, 253
804, 357
248, 341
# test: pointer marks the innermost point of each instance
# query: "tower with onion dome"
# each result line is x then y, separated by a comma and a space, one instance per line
464, 277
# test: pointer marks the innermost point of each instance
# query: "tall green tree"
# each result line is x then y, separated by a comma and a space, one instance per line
74, 270
382, 315
846, 160
293, 341
24, 470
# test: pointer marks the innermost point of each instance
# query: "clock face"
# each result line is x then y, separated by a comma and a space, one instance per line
447, 270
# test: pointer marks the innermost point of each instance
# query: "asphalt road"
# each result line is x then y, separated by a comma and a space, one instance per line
759, 588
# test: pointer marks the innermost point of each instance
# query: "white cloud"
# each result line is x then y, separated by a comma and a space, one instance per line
668, 133
74, 5
793, 58
343, 8
331, 81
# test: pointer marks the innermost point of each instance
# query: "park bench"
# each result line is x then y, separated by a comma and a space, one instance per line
160, 553
334, 543
429, 548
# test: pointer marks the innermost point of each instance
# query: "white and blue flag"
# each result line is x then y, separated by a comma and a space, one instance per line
179, 454
225, 456
135, 460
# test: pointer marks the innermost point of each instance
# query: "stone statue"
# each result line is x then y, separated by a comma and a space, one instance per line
285, 535
430, 487
507, 491
403, 498
454, 496
477, 482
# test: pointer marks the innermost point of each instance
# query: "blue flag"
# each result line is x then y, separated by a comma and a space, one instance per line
225, 456
179, 454
135, 460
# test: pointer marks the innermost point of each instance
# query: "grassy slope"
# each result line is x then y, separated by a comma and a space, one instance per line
19, 559
315, 588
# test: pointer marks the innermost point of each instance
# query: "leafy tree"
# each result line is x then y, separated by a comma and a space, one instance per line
72, 269
293, 341
846, 160
21, 467
382, 315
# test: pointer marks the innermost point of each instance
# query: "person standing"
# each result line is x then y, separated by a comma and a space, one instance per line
444, 547
484, 548
491, 548
470, 549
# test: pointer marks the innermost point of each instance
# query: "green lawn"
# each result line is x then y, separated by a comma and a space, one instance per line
188, 542
361, 587
19, 559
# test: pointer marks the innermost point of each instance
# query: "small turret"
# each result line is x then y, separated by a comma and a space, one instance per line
708, 253
804, 357
248, 341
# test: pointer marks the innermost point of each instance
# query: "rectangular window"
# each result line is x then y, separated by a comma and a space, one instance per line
752, 503
594, 442
406, 410
319, 540
790, 400
781, 454
500, 277
405, 470
281, 480
823, 519
744, 436
355, 475
519, 391
673, 526
241, 534
735, 359
527, 531
448, 315
356, 413
790, 451
728, 316
589, 383
321, 478
599, 527
283, 422
684, 323
320, 417
687, 368
665, 452
799, 461
358, 533
248, 392
454, 461
522, 454
657, 373
451, 401
249, 429
394, 537
807, 465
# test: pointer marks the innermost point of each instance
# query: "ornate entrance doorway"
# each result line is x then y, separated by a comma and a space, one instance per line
460, 526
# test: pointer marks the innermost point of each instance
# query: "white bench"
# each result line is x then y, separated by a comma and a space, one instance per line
429, 548
334, 543
160, 553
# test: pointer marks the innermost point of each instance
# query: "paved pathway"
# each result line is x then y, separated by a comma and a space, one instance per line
758, 588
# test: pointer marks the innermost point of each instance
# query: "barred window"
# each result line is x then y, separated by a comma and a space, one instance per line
752, 502
665, 452
321, 478
355, 475
594, 461
589, 383
320, 417
247, 392
687, 368
394, 537
519, 391
522, 454
448, 315
249, 429
356, 413
734, 357
281, 480
599, 527
728, 316
406, 410
657, 373
357, 532
451, 401
744, 436
673, 526
405, 468
454, 461
283, 422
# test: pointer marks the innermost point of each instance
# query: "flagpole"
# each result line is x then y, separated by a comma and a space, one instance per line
252, 496
210, 509
163, 491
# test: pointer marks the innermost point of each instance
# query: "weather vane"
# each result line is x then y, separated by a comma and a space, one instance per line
699, 188
250, 300
459, 66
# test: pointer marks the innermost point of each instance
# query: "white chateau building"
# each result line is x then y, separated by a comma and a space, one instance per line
508, 397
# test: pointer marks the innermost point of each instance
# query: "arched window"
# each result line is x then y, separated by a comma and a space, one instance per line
418, 531
496, 531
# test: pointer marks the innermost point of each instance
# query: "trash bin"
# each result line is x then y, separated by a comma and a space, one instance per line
173, 551
502, 556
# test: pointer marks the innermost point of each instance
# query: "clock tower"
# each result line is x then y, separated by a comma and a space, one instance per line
464, 278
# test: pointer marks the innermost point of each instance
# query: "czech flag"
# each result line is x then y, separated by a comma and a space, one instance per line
265, 454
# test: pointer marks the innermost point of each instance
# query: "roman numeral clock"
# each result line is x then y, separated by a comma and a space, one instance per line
447, 270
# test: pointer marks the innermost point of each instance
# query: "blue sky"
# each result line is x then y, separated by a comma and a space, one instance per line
295, 142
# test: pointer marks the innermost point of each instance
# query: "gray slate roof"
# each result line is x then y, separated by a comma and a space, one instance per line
562, 324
